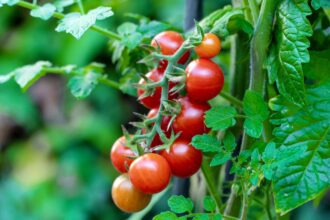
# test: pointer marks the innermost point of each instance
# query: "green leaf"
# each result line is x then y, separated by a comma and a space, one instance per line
220, 158
152, 28
254, 105
180, 204
203, 216
7, 77
8, 2
77, 24
254, 179
44, 12
217, 217
25, 76
257, 111
269, 155
268, 171
209, 204
126, 28
206, 143
255, 159
253, 127
165, 216
133, 40
226, 21
229, 141
289, 51
82, 86
320, 3
318, 67
305, 175
220, 118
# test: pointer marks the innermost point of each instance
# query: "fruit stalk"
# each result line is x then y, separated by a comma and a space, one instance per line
164, 84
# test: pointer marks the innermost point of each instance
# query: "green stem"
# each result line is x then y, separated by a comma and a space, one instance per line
268, 205
245, 207
259, 46
105, 32
207, 173
236, 102
81, 6
164, 84
230, 201
254, 10
102, 80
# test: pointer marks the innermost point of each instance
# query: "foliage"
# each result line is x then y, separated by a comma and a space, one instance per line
305, 130
275, 141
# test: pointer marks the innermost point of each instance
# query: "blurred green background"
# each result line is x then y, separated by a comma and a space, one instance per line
54, 149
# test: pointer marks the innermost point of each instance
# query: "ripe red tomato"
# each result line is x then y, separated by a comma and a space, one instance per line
153, 101
150, 173
120, 154
165, 121
210, 46
204, 79
190, 121
184, 159
127, 197
169, 42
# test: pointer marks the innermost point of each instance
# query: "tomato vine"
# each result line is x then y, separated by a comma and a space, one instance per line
258, 134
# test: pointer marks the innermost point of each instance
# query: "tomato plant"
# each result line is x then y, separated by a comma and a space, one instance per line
209, 47
127, 197
204, 80
150, 173
251, 121
184, 159
190, 121
153, 100
164, 126
120, 155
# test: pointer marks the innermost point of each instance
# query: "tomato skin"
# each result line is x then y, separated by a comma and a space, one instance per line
150, 173
209, 47
169, 42
190, 121
119, 153
126, 197
184, 159
153, 101
165, 121
204, 79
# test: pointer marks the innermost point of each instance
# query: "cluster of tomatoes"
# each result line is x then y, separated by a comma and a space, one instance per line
151, 173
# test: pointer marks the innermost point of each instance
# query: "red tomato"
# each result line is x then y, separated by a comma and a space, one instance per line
150, 173
127, 197
153, 101
190, 121
184, 159
165, 120
169, 42
119, 155
210, 46
204, 79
